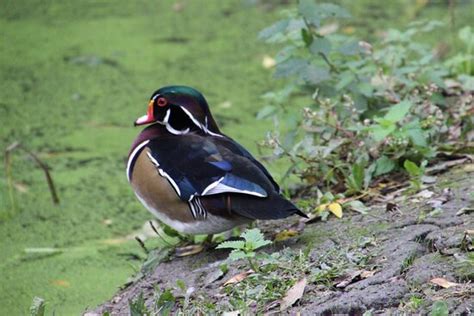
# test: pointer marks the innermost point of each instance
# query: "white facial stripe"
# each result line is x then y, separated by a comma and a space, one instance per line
196, 122
199, 125
132, 157
175, 131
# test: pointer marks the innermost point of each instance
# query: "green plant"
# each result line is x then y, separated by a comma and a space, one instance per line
439, 308
415, 172
137, 307
253, 240
415, 302
368, 107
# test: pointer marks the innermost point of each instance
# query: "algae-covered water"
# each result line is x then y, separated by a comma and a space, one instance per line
74, 77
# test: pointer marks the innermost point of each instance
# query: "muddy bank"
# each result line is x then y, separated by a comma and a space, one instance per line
404, 249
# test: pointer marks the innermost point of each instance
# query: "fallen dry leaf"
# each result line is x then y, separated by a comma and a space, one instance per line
443, 283
438, 201
367, 274
348, 279
465, 210
353, 277
336, 209
293, 294
312, 217
238, 277
214, 276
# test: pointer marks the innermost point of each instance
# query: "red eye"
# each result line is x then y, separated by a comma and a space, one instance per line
161, 102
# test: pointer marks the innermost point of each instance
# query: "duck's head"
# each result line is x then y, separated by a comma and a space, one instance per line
181, 109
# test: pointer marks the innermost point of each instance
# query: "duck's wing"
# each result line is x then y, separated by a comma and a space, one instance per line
240, 150
197, 166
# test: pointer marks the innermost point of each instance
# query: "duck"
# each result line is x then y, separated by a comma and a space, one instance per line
194, 178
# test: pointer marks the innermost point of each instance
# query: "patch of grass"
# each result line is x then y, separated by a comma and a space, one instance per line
414, 303
407, 263
465, 268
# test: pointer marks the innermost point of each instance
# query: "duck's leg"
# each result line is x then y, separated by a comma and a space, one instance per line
194, 248
208, 240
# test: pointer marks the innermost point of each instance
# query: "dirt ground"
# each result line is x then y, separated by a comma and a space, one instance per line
409, 245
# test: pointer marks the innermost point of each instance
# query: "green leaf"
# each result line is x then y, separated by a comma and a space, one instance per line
266, 111
439, 308
379, 132
345, 79
350, 48
165, 302
320, 45
255, 238
234, 244
368, 174
333, 10
412, 168
366, 89
466, 35
306, 36
309, 10
358, 206
138, 307
279, 27
398, 111
180, 283
290, 67
237, 255
315, 75
355, 180
417, 137
383, 165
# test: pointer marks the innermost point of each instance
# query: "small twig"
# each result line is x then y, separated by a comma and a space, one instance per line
332, 67
142, 244
38, 161
45, 168
8, 172
158, 233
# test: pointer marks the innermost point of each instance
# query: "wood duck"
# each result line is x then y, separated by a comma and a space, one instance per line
191, 176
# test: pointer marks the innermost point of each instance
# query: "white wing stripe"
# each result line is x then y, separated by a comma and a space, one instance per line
222, 188
164, 174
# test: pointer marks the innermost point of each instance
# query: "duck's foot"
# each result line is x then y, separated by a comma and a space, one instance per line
189, 250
